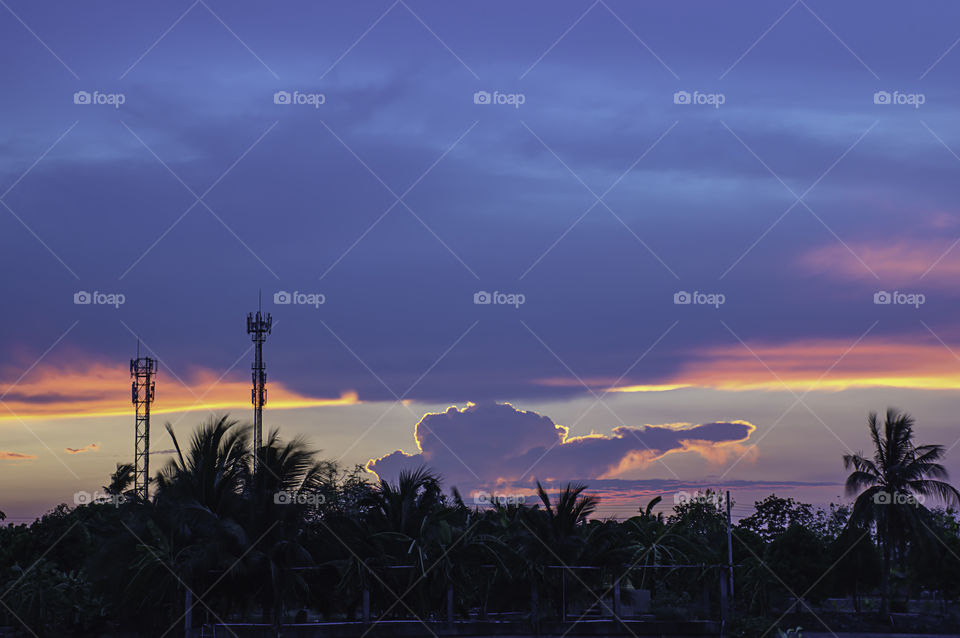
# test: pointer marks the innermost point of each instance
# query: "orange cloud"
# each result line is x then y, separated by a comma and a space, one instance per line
50, 391
898, 262
80, 450
596, 382
824, 364
15, 456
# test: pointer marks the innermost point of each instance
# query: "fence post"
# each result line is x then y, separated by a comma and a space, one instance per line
724, 586
534, 603
616, 599
187, 612
563, 594
450, 603
366, 605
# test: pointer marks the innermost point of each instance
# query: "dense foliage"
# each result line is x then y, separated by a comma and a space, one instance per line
301, 535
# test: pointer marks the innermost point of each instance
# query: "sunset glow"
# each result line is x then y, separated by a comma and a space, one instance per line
100, 390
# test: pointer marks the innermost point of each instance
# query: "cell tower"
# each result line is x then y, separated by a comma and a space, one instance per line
142, 370
258, 327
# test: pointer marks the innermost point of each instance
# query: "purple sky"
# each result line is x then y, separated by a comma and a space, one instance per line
818, 169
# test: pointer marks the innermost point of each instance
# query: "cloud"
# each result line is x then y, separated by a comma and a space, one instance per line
15, 456
93, 447
928, 262
42, 393
824, 364
623, 497
495, 443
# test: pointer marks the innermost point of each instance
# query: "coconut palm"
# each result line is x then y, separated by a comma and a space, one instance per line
891, 486
403, 507
571, 510
407, 520
121, 480
213, 473
200, 506
661, 543
281, 495
555, 534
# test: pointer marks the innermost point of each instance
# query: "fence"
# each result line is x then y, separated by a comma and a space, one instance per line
560, 593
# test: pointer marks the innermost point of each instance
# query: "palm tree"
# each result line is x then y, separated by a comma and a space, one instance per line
403, 507
406, 519
892, 486
215, 469
199, 504
571, 510
557, 532
660, 543
121, 480
282, 494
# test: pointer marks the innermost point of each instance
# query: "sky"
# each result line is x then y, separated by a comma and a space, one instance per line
653, 247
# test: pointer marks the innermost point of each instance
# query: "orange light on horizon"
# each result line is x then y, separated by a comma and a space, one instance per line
53, 392
824, 365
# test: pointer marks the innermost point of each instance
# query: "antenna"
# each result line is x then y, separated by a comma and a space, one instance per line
142, 370
258, 327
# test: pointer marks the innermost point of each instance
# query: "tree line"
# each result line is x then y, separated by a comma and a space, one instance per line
302, 537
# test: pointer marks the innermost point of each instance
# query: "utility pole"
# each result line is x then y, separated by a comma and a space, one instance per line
729, 553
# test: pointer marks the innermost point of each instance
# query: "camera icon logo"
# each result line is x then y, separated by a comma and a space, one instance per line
882, 297
81, 97
281, 97
82, 498
682, 297
282, 298
482, 298
481, 97
681, 97
82, 298
282, 498
881, 97
882, 498
681, 498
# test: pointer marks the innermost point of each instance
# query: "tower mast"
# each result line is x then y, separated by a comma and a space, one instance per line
258, 327
142, 371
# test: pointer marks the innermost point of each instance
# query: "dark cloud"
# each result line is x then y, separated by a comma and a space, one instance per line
15, 456
53, 397
499, 199
495, 443
93, 447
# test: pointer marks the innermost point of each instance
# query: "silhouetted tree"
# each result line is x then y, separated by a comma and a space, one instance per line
891, 486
